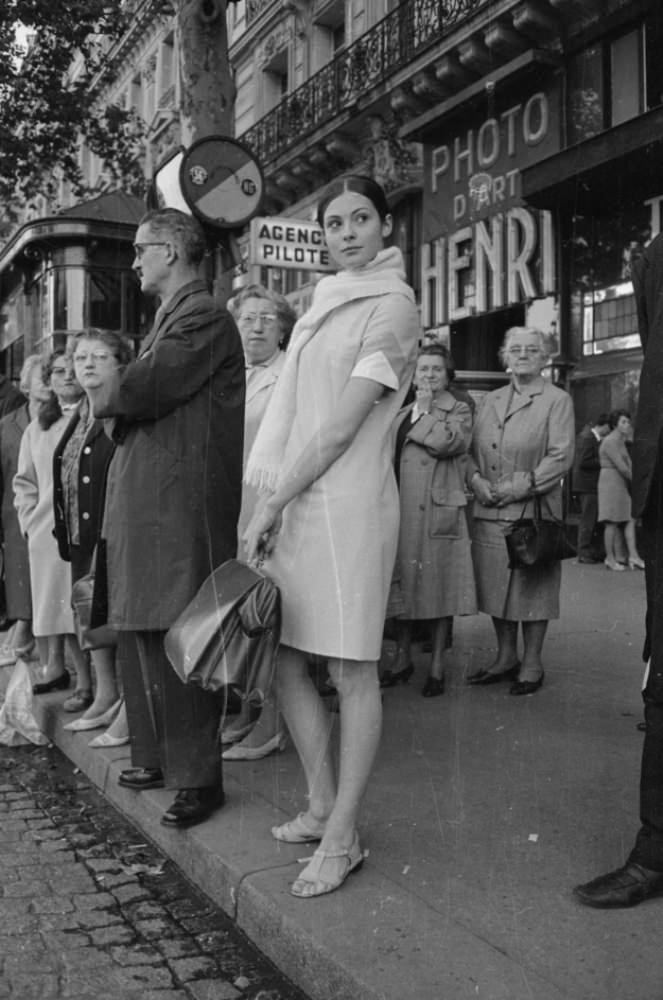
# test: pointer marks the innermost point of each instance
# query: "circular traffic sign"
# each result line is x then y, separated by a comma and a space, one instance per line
221, 181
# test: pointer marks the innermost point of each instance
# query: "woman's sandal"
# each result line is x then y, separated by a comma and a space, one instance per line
312, 882
296, 831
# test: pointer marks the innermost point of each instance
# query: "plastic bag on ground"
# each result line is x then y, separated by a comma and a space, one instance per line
17, 723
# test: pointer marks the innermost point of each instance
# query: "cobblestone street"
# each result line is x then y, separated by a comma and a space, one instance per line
89, 910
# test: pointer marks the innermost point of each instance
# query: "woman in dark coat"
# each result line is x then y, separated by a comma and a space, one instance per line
15, 547
80, 465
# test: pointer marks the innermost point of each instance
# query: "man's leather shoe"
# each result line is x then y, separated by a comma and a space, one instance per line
140, 778
193, 805
627, 886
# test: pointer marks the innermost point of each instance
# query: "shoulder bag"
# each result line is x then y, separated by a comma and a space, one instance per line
228, 635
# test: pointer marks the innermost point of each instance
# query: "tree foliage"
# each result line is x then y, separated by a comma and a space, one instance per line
44, 108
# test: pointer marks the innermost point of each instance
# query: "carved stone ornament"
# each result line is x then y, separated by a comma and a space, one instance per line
280, 38
390, 161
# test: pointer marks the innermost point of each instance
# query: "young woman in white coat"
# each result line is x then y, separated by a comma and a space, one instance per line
328, 527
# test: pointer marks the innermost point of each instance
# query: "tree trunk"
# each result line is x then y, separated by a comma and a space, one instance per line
207, 87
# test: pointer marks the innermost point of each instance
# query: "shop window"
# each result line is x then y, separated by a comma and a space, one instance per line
653, 60
605, 85
626, 77
610, 320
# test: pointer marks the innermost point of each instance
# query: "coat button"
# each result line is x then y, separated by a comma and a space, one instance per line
422, 506
87, 450
85, 516
424, 461
86, 479
494, 446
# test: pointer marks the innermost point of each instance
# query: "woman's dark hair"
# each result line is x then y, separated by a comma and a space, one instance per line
50, 410
287, 316
440, 351
360, 185
615, 415
118, 345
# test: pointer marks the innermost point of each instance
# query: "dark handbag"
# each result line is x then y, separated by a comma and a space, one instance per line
535, 541
228, 635
87, 593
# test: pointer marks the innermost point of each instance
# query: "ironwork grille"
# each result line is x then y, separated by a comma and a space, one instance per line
383, 50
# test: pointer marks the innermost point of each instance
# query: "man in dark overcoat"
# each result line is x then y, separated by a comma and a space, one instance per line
642, 875
172, 504
586, 470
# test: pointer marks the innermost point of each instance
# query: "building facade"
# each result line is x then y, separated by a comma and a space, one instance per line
517, 141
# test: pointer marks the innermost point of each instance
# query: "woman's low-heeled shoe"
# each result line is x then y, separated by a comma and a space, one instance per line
296, 831
390, 679
527, 687
78, 701
60, 683
105, 740
311, 881
97, 722
636, 564
240, 752
490, 677
433, 687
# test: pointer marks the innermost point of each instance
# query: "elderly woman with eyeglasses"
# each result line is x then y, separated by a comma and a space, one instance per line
265, 320
522, 447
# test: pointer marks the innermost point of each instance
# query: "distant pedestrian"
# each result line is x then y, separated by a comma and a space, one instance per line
585, 484
642, 875
614, 494
172, 503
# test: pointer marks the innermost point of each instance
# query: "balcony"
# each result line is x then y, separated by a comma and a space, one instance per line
401, 36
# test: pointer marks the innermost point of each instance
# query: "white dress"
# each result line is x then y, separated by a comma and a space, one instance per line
50, 576
335, 553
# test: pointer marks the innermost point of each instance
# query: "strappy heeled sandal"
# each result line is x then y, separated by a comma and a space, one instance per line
312, 882
296, 831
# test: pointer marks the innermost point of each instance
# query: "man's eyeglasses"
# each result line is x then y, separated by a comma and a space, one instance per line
250, 319
95, 356
531, 352
139, 248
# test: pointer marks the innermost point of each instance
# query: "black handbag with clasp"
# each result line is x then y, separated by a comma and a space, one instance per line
537, 541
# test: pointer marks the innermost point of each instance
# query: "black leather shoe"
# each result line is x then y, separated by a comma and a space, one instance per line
433, 687
627, 886
193, 805
140, 778
60, 683
390, 679
526, 687
490, 677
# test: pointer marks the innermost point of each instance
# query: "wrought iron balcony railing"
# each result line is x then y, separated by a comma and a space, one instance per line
387, 47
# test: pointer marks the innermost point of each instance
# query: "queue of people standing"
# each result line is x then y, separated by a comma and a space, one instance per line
354, 503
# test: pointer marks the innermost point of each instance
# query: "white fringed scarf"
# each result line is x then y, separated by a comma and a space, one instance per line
384, 275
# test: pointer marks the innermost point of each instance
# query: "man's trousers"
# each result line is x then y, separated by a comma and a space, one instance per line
173, 726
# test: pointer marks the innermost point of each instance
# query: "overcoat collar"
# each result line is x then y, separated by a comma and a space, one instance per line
508, 400
163, 312
265, 375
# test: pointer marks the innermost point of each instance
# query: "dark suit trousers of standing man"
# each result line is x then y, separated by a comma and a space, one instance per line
158, 703
648, 849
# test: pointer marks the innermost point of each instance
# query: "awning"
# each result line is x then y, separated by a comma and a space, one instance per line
619, 166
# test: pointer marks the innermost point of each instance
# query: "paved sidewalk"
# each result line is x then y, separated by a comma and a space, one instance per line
483, 812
